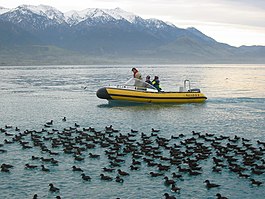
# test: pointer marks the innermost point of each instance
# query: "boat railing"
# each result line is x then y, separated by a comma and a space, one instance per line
186, 87
139, 84
136, 84
139, 88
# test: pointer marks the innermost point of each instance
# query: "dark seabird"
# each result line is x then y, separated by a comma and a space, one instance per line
155, 130
50, 123
119, 179
153, 174
93, 155
167, 196
44, 169
174, 175
84, 177
107, 178
174, 188
210, 185
122, 173
255, 182
28, 166
218, 195
168, 182
74, 168
53, 188
4, 169
108, 169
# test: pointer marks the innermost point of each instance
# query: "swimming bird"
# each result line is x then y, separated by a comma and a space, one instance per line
8, 134
216, 169
53, 188
64, 119
74, 168
4, 169
174, 175
35, 157
153, 174
35, 196
167, 196
134, 162
257, 172
155, 130
122, 173
8, 126
243, 175
108, 128
78, 158
8, 142
84, 177
119, 179
134, 167
44, 169
108, 169
107, 178
220, 197
174, 188
28, 166
50, 122
210, 185
93, 155
255, 182
168, 182
194, 173
3, 151
7, 166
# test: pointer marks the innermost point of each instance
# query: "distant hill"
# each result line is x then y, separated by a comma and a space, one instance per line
44, 35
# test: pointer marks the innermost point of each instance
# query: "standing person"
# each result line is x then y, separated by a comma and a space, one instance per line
156, 83
147, 79
136, 74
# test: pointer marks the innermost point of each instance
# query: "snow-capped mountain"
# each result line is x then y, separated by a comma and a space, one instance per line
33, 17
106, 32
75, 17
3, 10
44, 10
43, 20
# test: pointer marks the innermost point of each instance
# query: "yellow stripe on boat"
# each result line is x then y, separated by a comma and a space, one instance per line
154, 97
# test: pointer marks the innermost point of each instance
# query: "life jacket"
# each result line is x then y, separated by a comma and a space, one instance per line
156, 85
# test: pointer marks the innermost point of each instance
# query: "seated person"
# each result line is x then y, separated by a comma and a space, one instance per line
136, 74
156, 83
147, 79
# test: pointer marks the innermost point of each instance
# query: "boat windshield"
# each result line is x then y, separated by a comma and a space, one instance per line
139, 84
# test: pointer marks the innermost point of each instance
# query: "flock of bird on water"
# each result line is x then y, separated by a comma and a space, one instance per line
178, 155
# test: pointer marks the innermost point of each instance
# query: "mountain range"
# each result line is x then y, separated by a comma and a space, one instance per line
44, 35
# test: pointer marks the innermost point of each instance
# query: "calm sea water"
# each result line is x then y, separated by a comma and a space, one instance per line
30, 96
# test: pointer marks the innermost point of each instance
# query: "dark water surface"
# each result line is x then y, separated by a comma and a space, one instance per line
32, 96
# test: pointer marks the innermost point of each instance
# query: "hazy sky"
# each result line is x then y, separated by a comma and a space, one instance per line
236, 22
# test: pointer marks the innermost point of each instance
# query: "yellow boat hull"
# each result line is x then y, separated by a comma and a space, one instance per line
150, 97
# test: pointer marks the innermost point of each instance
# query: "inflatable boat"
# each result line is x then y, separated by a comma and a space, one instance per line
136, 90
